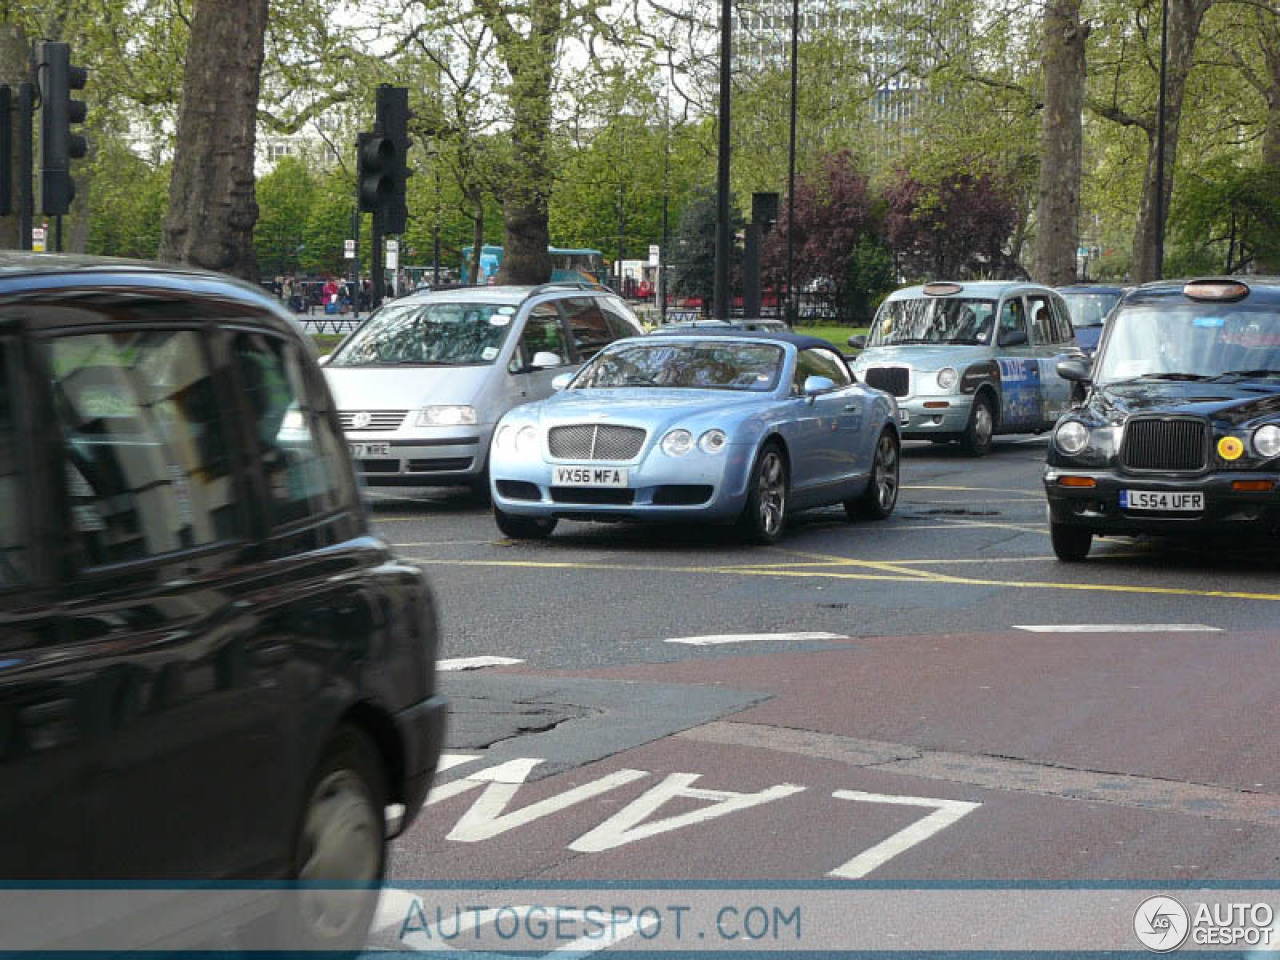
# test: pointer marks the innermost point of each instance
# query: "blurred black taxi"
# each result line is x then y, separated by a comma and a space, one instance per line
1179, 430
209, 669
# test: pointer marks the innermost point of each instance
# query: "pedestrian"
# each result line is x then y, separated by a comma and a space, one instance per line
329, 294
286, 292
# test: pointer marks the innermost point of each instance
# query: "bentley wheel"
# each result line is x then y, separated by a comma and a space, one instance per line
882, 489
765, 516
523, 528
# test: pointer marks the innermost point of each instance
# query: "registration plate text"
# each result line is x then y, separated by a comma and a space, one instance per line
590, 477
363, 451
1160, 500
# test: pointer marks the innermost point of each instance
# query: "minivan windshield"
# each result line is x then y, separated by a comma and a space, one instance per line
429, 334
1089, 309
1191, 341
933, 320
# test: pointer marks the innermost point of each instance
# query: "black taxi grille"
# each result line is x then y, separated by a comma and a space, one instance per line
894, 380
1174, 444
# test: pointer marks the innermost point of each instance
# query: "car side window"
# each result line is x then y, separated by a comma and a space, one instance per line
1042, 327
146, 463
543, 333
1012, 319
620, 326
13, 547
587, 325
300, 452
1064, 332
815, 362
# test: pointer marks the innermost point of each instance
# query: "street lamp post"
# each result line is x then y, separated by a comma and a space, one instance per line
724, 232
791, 165
1164, 55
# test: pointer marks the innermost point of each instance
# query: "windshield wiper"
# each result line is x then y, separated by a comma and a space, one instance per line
894, 343
1244, 374
1173, 376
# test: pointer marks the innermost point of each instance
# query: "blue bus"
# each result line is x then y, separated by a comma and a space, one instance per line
567, 263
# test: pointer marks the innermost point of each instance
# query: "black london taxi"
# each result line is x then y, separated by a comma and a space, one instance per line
1178, 433
209, 669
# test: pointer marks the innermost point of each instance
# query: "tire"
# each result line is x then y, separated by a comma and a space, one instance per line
881, 495
340, 837
1070, 544
523, 528
764, 519
976, 440
479, 487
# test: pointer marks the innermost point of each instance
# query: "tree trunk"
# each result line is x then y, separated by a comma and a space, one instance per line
531, 63
1269, 29
212, 208
477, 242
1185, 17
1061, 140
15, 68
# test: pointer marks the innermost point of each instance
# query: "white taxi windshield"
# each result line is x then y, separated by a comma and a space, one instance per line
933, 320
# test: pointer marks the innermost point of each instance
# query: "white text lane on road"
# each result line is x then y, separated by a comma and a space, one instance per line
475, 663
715, 639
1117, 628
945, 813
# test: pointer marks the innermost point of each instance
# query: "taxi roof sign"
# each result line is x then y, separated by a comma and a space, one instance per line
941, 289
1215, 290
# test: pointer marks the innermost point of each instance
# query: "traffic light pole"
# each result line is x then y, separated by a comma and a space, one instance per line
26, 201
375, 261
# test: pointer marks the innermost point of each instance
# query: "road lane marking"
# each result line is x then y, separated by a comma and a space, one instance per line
475, 663
907, 575
628, 824
714, 639
1003, 773
1118, 628
939, 486
946, 813
448, 761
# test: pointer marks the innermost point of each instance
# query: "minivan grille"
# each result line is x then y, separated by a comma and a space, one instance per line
894, 380
378, 419
1164, 444
594, 441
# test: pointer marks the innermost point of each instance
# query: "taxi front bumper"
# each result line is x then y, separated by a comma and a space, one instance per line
945, 416
1227, 509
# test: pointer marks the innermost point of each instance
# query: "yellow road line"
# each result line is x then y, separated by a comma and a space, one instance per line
931, 486
906, 575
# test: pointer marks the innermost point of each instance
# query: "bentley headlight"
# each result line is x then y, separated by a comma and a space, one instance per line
1266, 440
505, 439
1071, 437
948, 378
712, 441
527, 440
677, 443
447, 416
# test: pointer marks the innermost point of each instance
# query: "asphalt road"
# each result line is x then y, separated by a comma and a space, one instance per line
870, 703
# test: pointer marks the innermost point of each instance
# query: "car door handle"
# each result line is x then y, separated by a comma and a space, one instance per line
851, 406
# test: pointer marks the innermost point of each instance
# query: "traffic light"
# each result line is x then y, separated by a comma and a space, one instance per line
58, 144
373, 171
393, 120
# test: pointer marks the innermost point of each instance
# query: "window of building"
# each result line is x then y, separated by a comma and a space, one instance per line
300, 452
147, 469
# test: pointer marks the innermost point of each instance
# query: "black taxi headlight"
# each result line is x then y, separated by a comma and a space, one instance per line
1071, 436
1266, 440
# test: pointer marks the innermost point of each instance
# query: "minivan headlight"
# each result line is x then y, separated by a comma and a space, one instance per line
1071, 437
1266, 440
447, 416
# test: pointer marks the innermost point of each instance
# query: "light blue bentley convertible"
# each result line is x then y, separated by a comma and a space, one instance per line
732, 427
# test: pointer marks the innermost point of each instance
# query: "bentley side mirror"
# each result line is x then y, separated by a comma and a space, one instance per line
858, 341
816, 385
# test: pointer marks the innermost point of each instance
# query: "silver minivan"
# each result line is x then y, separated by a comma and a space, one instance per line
970, 360
421, 383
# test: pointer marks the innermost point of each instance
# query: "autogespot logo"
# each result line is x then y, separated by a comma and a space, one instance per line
1161, 924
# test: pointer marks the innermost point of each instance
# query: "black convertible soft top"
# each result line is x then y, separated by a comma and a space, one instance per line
800, 341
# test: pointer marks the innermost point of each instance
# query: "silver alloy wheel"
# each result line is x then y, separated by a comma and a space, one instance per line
983, 424
773, 493
886, 473
342, 839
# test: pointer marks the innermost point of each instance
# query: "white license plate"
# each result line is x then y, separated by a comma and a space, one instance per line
1157, 500
590, 477
363, 451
